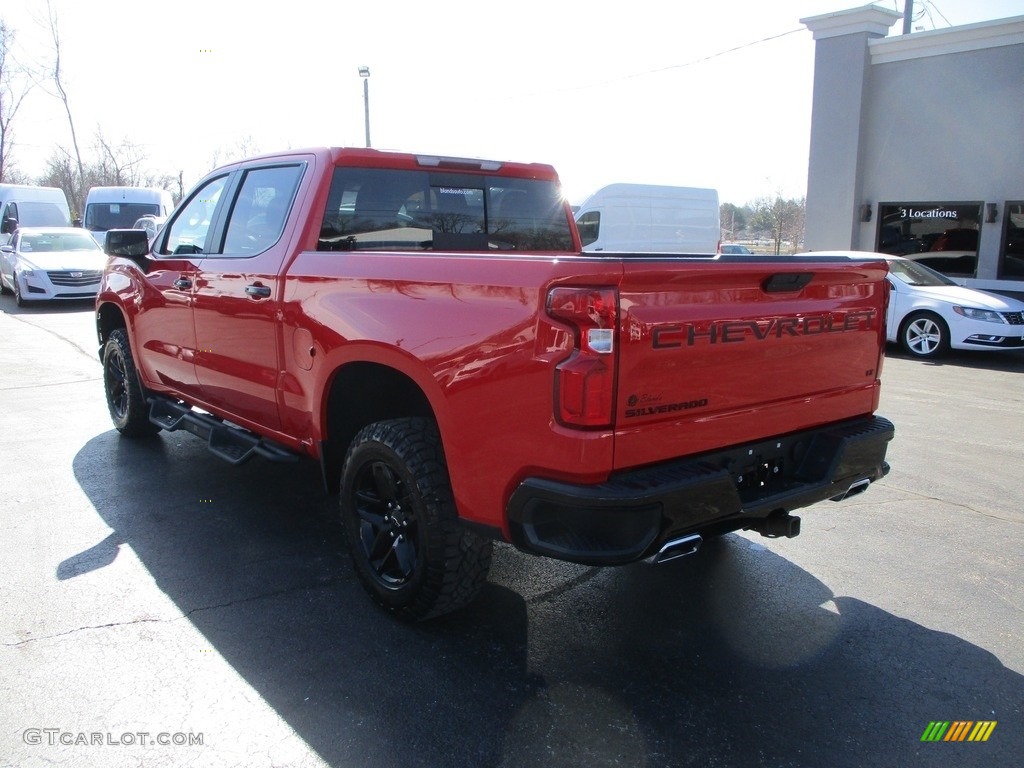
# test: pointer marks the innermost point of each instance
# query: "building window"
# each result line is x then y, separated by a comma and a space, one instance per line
1011, 253
943, 236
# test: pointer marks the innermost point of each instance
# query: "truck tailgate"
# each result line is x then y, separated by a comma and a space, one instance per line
723, 352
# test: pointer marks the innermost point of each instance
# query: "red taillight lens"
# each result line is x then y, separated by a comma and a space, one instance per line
585, 383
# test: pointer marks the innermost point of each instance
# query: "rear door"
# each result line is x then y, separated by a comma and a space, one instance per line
724, 351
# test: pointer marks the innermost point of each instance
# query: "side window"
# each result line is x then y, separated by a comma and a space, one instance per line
8, 222
261, 208
589, 225
187, 234
377, 209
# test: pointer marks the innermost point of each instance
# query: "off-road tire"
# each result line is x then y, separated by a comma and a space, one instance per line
126, 399
401, 525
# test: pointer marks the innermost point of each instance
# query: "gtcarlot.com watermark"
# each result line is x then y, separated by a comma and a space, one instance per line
52, 737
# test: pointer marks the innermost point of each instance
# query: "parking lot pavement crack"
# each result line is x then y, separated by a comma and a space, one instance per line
925, 497
76, 630
133, 622
53, 384
1005, 600
262, 596
92, 356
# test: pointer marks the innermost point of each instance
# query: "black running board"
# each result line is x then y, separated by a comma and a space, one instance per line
226, 441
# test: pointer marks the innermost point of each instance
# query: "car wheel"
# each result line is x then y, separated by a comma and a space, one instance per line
402, 529
4, 290
17, 291
126, 399
924, 335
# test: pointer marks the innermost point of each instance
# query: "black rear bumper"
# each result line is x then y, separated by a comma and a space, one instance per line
631, 515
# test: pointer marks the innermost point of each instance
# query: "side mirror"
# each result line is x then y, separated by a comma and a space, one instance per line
76, 222
131, 244
7, 248
9, 226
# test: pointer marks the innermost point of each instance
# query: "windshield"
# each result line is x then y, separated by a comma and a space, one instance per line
44, 242
99, 217
33, 214
913, 273
379, 209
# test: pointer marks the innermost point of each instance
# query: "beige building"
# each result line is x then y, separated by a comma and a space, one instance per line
917, 144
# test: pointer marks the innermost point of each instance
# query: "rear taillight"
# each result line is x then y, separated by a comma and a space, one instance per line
585, 382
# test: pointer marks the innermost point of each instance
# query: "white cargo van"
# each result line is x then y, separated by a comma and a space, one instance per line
22, 205
643, 218
120, 207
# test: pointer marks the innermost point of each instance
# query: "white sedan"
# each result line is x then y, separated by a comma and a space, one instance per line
929, 313
44, 263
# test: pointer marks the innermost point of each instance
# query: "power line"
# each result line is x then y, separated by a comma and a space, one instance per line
709, 57
645, 73
936, 9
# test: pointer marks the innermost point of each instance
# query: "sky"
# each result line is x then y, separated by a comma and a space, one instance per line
694, 94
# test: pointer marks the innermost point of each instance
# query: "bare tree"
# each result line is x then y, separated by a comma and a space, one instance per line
15, 84
782, 219
118, 165
124, 165
61, 172
58, 81
733, 219
243, 148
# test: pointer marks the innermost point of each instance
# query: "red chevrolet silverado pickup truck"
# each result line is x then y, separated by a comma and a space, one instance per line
429, 330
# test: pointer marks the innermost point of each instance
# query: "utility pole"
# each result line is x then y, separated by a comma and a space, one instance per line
908, 14
364, 72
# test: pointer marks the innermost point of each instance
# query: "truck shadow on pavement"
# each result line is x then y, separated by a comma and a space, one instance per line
733, 657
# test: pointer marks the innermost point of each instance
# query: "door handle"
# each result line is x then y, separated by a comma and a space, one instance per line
258, 291
182, 283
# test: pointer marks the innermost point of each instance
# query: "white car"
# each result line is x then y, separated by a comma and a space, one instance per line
45, 263
151, 224
930, 314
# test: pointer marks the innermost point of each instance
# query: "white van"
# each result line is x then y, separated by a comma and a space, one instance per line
645, 218
120, 207
27, 206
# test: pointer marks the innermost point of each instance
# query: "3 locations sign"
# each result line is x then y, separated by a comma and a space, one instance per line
929, 213
910, 228
932, 215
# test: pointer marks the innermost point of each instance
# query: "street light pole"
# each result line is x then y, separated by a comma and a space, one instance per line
364, 72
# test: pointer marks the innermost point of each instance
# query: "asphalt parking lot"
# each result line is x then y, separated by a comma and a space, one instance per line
161, 608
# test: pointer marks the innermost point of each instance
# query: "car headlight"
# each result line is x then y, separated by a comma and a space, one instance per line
988, 315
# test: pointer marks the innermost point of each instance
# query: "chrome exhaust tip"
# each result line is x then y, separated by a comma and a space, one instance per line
858, 487
676, 548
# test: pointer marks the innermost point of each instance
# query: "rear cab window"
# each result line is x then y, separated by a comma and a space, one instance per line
389, 209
